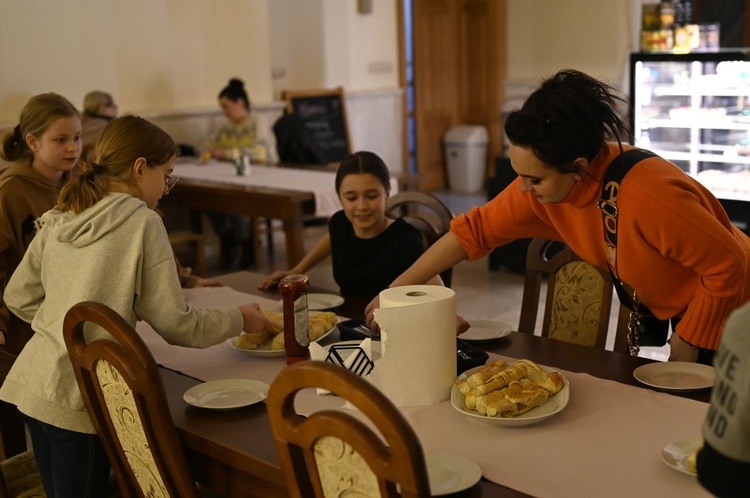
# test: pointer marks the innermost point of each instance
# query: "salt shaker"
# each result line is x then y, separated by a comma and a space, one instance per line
296, 325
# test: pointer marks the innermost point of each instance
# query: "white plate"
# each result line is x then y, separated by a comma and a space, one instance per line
676, 375
554, 404
227, 393
676, 454
451, 473
264, 351
484, 330
320, 302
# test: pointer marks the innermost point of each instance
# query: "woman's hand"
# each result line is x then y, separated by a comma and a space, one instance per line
679, 350
370, 314
254, 319
273, 279
461, 325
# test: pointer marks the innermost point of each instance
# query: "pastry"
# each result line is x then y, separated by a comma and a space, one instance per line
511, 390
483, 374
319, 322
252, 340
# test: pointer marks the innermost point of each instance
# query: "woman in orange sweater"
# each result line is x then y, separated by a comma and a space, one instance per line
676, 247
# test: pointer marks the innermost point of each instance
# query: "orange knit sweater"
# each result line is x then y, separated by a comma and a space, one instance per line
676, 246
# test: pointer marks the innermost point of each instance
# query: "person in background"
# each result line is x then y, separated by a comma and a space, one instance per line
723, 464
99, 108
368, 250
102, 243
44, 148
676, 248
245, 133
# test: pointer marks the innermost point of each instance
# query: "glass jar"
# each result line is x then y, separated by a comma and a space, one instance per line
296, 323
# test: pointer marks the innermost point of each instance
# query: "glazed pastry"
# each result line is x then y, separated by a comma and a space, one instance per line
483, 374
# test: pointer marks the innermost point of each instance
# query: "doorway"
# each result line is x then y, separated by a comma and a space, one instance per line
452, 70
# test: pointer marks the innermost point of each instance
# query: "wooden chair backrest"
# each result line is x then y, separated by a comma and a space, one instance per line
124, 395
578, 301
426, 213
332, 449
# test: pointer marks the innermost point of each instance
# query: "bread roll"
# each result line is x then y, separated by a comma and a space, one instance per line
483, 374
252, 340
552, 381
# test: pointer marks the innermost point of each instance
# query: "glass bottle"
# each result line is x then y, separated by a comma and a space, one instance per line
296, 324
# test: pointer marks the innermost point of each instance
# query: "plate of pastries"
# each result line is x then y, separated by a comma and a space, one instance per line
270, 342
511, 394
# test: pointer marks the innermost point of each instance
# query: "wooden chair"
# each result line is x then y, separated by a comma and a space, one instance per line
332, 453
579, 296
19, 477
123, 392
425, 212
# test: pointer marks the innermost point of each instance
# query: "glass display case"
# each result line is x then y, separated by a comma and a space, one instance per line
694, 109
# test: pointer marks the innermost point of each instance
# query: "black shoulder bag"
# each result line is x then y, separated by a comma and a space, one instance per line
644, 329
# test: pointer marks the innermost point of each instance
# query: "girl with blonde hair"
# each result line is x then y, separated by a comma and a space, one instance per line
105, 243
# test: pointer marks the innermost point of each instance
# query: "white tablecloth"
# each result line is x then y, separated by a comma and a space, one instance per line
606, 442
320, 183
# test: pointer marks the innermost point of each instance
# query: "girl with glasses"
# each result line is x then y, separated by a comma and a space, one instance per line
102, 243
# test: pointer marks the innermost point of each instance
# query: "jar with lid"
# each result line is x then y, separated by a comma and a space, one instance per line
296, 324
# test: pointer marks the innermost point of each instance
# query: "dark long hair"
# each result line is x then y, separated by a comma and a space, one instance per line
235, 91
570, 115
363, 162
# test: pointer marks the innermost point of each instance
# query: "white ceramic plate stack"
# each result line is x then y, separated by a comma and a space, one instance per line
320, 302
451, 473
485, 330
676, 375
677, 454
226, 394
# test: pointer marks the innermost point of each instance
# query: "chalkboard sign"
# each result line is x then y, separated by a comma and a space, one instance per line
323, 114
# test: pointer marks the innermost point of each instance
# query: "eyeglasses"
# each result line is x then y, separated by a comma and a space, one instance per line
169, 182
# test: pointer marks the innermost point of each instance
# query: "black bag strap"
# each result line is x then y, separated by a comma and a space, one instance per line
613, 177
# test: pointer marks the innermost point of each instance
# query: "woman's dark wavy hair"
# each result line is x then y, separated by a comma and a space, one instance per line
363, 162
235, 91
570, 115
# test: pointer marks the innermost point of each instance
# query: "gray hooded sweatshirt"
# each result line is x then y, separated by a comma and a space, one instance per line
117, 253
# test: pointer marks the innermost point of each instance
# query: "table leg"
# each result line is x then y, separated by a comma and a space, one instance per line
295, 240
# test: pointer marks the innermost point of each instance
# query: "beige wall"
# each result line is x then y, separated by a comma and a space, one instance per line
151, 54
593, 36
171, 57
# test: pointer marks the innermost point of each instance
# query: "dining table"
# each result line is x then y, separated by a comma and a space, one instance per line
291, 193
607, 441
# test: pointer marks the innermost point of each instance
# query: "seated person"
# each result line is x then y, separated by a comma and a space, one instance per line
245, 132
99, 108
367, 249
723, 464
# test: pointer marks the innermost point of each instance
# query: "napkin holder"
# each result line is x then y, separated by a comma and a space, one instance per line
356, 361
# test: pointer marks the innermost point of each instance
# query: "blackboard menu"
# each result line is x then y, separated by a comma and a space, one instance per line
323, 115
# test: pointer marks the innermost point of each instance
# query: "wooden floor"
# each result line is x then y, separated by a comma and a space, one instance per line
480, 293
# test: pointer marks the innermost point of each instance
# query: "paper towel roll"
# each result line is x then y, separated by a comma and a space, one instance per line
418, 335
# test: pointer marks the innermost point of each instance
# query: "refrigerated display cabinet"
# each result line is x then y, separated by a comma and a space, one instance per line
694, 110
